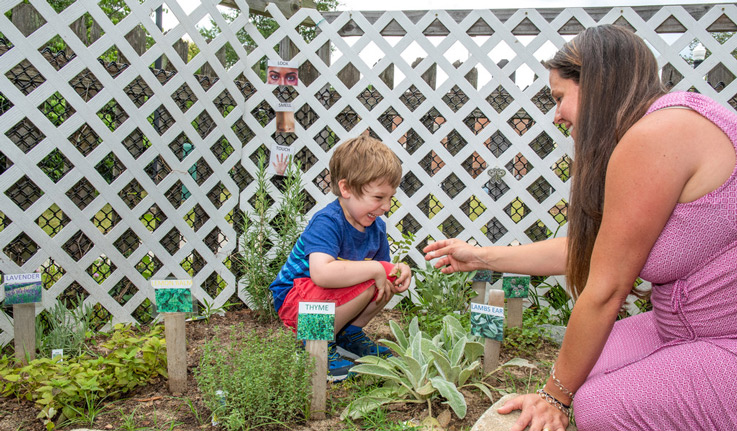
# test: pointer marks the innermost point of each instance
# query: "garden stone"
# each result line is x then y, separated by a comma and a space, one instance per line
493, 421
553, 333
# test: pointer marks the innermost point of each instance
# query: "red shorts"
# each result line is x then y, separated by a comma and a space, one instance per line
304, 290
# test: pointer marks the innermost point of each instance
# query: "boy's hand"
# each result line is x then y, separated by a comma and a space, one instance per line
404, 277
383, 285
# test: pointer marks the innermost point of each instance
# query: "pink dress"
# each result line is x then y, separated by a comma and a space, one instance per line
675, 368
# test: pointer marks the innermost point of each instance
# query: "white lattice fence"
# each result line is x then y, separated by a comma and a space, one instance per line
141, 177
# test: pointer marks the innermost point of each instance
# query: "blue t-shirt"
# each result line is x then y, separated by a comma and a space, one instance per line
330, 232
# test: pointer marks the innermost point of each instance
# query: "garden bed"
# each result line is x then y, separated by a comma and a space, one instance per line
152, 407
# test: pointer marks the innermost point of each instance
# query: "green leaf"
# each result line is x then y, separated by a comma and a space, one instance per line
452, 394
415, 371
398, 335
482, 387
414, 327
441, 363
519, 362
394, 346
473, 350
375, 370
426, 390
457, 353
363, 405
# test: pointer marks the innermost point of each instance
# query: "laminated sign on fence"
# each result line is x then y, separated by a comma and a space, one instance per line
173, 296
22, 288
316, 321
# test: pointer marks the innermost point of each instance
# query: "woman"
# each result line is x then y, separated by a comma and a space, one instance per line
653, 194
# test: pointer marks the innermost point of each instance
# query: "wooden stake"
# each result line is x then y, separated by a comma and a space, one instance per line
480, 288
514, 312
491, 348
24, 322
176, 352
318, 350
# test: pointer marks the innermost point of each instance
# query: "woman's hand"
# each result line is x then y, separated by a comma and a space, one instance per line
536, 412
455, 255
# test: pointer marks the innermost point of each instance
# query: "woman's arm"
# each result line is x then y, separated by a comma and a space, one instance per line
539, 258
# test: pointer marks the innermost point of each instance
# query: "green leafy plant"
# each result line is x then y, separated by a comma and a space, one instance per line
268, 236
264, 379
436, 295
65, 328
402, 247
74, 387
423, 369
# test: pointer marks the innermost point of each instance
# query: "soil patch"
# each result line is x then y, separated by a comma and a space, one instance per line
153, 407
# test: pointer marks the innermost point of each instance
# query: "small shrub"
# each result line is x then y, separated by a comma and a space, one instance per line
436, 295
268, 236
73, 385
65, 328
264, 380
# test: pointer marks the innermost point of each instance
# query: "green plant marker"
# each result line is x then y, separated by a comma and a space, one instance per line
487, 321
22, 288
173, 296
316, 321
516, 286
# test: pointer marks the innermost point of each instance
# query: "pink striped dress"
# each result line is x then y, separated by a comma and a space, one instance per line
675, 368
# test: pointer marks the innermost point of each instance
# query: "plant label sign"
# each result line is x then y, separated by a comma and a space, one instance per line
516, 286
22, 288
316, 321
484, 275
487, 321
173, 296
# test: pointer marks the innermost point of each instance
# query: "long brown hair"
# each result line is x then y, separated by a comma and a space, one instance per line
618, 80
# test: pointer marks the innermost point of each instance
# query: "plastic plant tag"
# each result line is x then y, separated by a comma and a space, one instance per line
316, 321
22, 288
484, 275
57, 353
173, 296
516, 286
487, 321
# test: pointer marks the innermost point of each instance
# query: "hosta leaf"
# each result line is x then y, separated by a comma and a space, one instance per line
452, 394
398, 334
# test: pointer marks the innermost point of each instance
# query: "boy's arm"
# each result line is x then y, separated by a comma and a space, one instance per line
330, 273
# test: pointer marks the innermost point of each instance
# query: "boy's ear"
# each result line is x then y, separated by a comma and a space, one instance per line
345, 191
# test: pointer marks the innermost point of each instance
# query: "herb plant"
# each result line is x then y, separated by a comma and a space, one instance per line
436, 295
65, 328
268, 236
423, 369
264, 379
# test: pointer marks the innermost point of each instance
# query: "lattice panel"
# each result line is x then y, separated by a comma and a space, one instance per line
122, 161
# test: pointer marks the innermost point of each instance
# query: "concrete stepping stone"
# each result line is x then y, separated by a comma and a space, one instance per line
493, 421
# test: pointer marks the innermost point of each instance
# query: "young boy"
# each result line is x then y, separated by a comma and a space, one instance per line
343, 254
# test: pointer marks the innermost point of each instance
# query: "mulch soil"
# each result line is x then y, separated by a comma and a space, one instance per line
154, 407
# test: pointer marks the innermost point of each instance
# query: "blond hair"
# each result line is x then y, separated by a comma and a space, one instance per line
361, 161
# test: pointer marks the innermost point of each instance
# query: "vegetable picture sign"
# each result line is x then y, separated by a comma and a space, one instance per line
316, 321
516, 286
173, 296
487, 321
22, 288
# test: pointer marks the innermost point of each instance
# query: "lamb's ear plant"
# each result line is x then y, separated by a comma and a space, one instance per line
424, 369
269, 233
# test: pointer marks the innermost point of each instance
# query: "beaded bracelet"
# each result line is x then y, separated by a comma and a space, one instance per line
554, 401
559, 385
